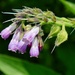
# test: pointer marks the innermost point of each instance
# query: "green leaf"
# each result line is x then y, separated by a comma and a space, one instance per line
66, 54
69, 6
14, 66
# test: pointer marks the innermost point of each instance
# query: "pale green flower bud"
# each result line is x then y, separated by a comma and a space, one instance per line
50, 14
54, 31
41, 33
36, 11
62, 36
26, 27
33, 20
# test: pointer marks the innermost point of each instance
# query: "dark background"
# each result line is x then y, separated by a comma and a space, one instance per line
63, 58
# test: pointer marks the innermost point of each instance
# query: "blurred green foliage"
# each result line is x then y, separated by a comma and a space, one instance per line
22, 67
61, 62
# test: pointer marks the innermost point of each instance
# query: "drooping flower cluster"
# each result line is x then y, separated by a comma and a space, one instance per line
21, 39
24, 35
27, 29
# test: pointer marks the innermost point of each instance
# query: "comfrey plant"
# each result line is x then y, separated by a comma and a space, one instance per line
27, 29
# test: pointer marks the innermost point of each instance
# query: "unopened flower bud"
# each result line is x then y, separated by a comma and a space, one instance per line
54, 31
28, 27
61, 36
41, 33
40, 42
37, 11
33, 20
50, 14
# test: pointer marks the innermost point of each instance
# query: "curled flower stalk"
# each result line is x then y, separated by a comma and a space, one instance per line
27, 29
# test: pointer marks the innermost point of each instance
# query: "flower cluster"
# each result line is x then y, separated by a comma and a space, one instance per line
24, 35
22, 38
27, 29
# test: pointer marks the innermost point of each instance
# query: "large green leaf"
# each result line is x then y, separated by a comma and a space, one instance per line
14, 66
69, 6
